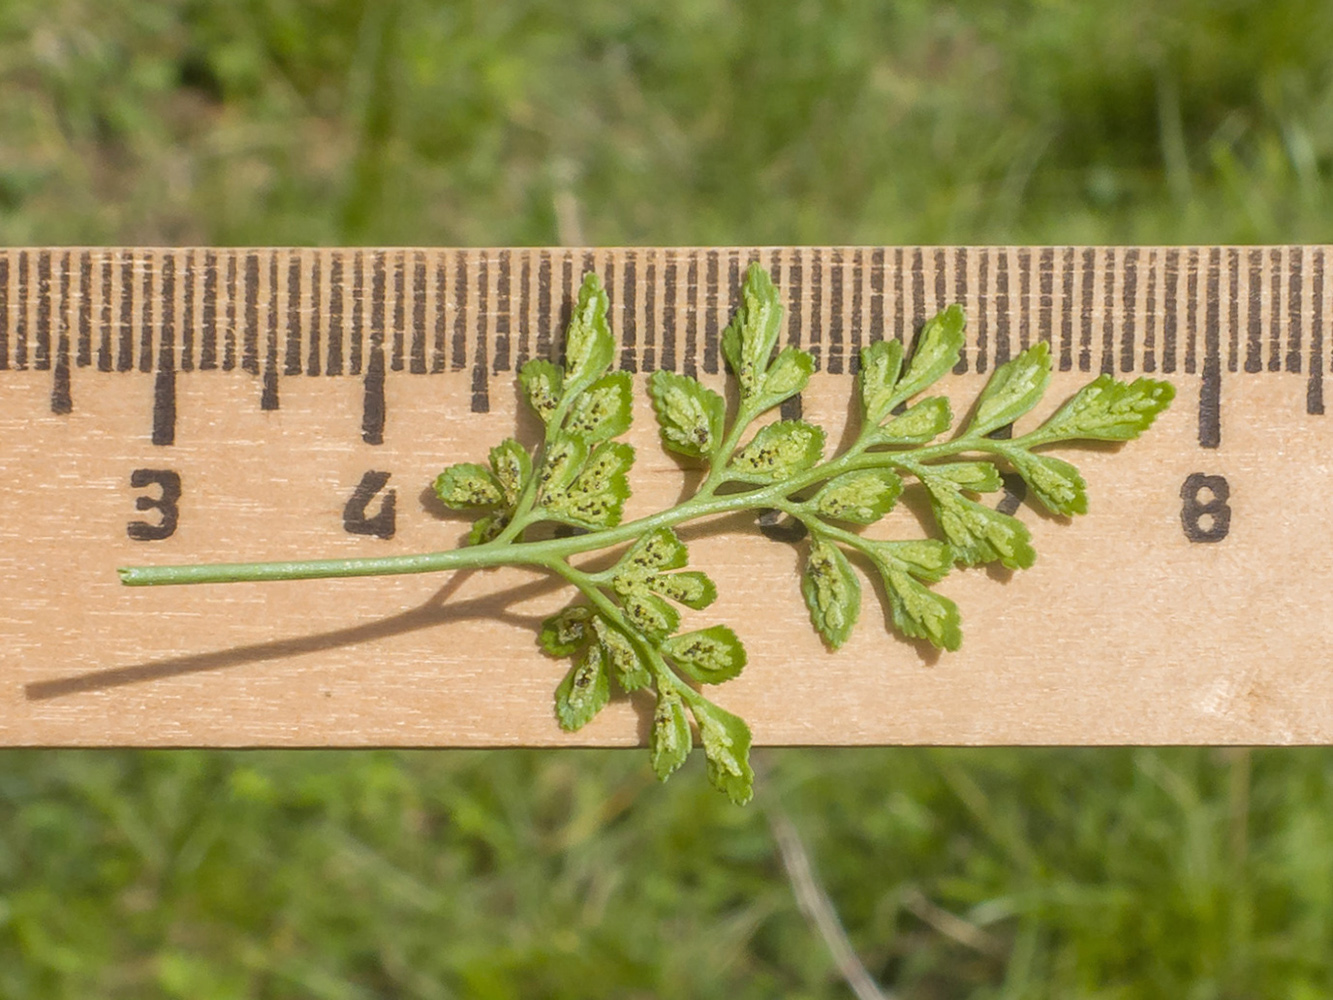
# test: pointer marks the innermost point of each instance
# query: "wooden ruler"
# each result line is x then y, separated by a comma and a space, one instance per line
166, 406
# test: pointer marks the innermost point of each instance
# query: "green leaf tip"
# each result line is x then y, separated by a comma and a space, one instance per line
670, 740
692, 588
860, 497
881, 364
832, 592
690, 416
1108, 410
622, 657
936, 352
710, 655
978, 534
778, 451
512, 468
566, 632
1016, 387
468, 486
630, 627
919, 613
750, 337
649, 614
788, 375
1053, 481
726, 740
589, 346
543, 386
603, 410
585, 690
921, 422
596, 495
655, 550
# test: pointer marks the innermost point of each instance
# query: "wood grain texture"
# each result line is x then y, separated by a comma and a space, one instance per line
1124, 631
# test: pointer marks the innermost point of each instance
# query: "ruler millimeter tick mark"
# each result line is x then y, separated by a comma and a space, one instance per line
388, 313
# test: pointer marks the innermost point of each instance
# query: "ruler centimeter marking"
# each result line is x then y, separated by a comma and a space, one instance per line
281, 313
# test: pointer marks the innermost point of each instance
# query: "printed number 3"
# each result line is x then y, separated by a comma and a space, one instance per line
165, 503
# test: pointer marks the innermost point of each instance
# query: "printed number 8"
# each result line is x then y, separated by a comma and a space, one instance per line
1207, 521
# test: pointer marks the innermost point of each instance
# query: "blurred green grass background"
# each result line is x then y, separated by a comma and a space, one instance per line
1182, 873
